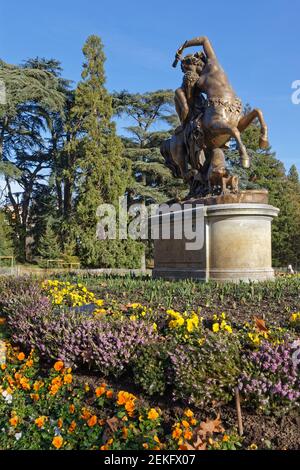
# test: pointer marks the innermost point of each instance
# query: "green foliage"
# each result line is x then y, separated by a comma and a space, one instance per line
293, 176
68, 253
271, 298
48, 247
152, 180
33, 92
6, 243
150, 369
209, 373
102, 173
110, 253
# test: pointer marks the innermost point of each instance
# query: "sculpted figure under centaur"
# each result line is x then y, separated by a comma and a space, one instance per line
210, 114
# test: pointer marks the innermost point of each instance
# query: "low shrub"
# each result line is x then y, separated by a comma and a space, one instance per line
271, 376
151, 367
208, 373
105, 344
112, 345
200, 361
26, 308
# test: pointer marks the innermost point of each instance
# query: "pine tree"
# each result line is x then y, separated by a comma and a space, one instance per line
48, 247
102, 173
152, 180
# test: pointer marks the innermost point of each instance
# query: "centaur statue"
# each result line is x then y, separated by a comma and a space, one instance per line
210, 114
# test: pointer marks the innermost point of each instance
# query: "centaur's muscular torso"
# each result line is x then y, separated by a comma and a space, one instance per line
222, 117
214, 82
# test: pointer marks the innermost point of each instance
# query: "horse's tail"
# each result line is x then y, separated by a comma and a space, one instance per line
165, 150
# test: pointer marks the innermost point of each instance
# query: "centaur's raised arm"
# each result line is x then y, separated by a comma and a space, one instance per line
201, 41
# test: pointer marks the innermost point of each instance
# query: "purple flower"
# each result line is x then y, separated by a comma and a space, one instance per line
271, 376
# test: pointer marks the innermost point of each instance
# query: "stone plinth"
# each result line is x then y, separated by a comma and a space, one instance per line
236, 244
254, 196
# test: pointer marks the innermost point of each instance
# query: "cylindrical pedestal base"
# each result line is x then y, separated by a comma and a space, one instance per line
237, 245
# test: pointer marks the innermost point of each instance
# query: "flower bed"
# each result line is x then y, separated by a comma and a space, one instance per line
52, 411
181, 356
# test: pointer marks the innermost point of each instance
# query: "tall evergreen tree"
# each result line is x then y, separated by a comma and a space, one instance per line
293, 176
102, 173
153, 119
48, 244
32, 93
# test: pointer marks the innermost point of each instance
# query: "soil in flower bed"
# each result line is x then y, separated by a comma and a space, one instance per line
267, 432
272, 301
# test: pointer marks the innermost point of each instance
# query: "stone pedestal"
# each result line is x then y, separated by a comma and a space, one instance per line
236, 244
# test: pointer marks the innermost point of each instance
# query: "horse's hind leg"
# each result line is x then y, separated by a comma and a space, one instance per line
235, 133
246, 120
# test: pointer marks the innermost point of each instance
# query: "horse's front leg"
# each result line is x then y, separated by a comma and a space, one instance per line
246, 120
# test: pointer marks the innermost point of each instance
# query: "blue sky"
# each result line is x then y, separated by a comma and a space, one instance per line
257, 43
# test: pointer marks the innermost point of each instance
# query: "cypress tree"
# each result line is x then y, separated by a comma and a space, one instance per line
293, 176
102, 173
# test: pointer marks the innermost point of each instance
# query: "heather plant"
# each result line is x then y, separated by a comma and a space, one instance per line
53, 335
25, 307
112, 345
18, 292
103, 343
271, 376
207, 373
33, 323
79, 339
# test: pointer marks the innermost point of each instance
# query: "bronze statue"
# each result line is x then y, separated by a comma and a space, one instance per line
210, 114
